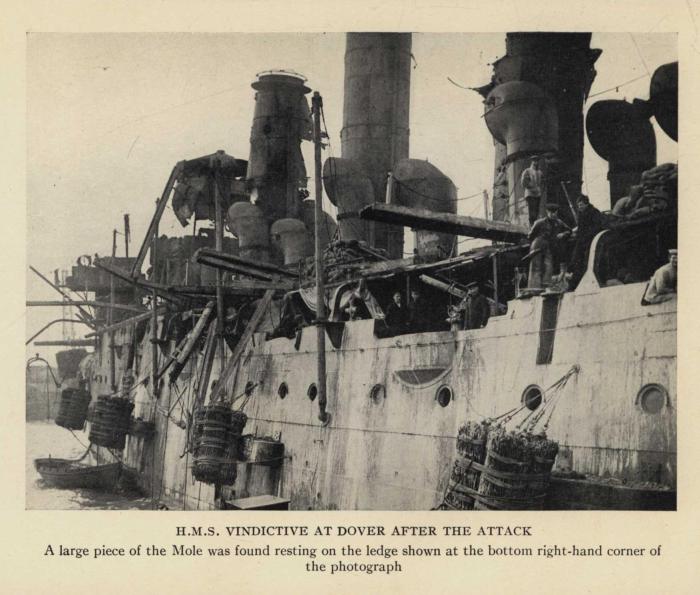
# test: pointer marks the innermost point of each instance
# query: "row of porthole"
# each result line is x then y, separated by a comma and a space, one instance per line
377, 393
311, 392
651, 398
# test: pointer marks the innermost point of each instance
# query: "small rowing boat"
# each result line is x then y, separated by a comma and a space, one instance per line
70, 474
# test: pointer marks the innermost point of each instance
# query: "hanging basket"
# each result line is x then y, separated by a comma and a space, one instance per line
499, 470
516, 471
217, 434
110, 421
73, 409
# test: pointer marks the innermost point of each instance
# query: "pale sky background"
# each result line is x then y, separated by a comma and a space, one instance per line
109, 115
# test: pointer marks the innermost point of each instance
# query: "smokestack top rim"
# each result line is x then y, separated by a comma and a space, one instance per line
281, 77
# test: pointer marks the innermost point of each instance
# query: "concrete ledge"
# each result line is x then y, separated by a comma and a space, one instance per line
584, 494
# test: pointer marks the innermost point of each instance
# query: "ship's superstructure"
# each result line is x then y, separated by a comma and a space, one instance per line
226, 319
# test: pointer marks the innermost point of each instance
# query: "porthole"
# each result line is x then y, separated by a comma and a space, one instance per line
652, 398
312, 392
377, 394
249, 387
283, 390
443, 396
532, 397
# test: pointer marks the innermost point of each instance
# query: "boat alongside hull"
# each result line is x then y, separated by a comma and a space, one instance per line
66, 474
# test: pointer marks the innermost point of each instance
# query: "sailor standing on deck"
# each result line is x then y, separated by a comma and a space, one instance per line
396, 314
590, 222
545, 238
477, 309
531, 181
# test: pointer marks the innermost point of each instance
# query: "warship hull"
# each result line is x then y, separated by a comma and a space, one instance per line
396, 405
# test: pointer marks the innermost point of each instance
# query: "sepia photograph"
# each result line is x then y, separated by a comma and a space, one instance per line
363, 271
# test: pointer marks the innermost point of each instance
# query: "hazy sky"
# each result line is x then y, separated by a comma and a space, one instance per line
109, 115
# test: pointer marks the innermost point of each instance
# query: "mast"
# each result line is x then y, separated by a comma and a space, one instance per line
316, 105
110, 319
127, 234
154, 301
219, 230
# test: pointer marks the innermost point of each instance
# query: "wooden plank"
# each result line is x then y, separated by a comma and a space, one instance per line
82, 313
161, 290
224, 258
461, 225
124, 323
245, 287
66, 343
153, 226
93, 303
253, 323
237, 269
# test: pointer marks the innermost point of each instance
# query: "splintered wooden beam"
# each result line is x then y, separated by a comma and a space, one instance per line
247, 287
124, 307
66, 343
260, 310
160, 289
125, 323
153, 226
460, 225
244, 266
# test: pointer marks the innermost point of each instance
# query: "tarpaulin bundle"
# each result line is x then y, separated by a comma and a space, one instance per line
660, 183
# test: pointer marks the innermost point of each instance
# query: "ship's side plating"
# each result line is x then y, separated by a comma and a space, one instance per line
392, 448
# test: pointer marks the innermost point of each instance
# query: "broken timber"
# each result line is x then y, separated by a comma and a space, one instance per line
231, 365
244, 266
160, 290
153, 226
445, 222
125, 323
66, 343
96, 304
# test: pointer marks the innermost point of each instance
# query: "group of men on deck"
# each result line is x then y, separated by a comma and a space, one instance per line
548, 236
472, 312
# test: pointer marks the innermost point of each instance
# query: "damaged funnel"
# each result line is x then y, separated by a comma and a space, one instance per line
621, 133
523, 117
282, 119
421, 185
250, 226
291, 239
350, 189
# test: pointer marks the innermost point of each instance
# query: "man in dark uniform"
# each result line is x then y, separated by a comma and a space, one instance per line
590, 222
477, 309
546, 236
396, 314
418, 311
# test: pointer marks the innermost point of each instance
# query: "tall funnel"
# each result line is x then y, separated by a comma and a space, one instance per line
620, 132
281, 121
562, 65
375, 122
522, 119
